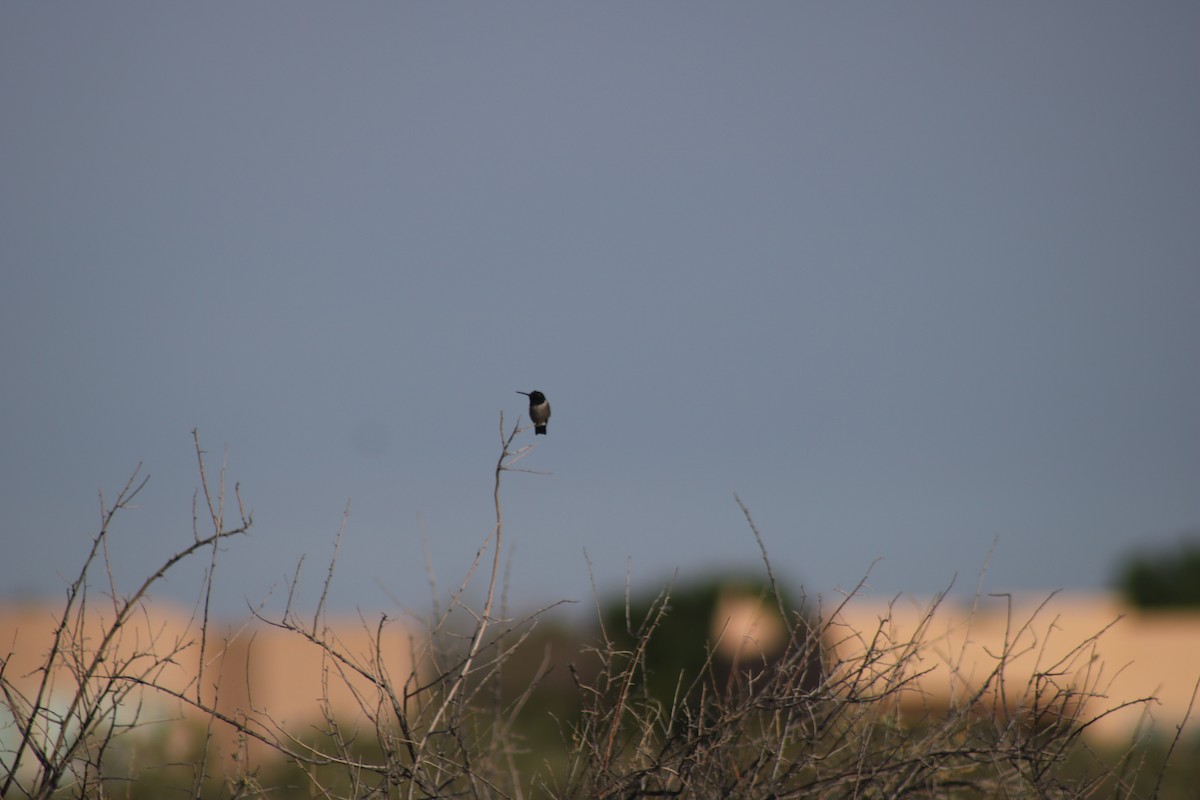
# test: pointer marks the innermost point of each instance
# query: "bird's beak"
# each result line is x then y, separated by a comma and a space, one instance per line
524, 393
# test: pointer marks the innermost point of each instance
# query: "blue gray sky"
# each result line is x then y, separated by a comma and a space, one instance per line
910, 278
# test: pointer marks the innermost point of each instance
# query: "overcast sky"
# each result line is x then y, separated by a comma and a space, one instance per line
910, 278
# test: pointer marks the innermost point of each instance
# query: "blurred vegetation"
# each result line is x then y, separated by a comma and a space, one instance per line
556, 656
1163, 577
717, 687
143, 769
682, 647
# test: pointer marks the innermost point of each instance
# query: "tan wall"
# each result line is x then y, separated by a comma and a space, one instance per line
1138, 655
274, 676
279, 677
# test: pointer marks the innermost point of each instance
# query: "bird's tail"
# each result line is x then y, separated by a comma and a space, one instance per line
539, 429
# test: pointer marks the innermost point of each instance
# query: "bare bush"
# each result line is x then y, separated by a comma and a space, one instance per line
424, 734
86, 694
862, 730
833, 711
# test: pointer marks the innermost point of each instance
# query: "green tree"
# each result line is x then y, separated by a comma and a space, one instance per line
679, 650
1163, 577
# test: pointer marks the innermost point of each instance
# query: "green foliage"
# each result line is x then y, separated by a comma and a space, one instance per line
677, 635
1163, 578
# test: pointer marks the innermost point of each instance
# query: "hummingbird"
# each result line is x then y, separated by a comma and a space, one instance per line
539, 410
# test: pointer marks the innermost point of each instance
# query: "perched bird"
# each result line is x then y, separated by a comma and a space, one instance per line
539, 410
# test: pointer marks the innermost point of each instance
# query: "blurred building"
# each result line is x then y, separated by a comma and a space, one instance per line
279, 680
1109, 658
270, 678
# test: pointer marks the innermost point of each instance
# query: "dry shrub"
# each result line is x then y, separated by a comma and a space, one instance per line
827, 711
